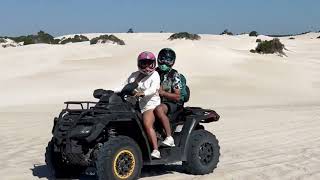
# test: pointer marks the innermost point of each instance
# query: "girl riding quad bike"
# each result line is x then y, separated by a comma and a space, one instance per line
148, 81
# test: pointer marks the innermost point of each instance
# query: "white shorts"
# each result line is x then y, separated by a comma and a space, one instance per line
149, 103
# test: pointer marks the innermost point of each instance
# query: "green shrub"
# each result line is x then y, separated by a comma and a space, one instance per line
41, 37
253, 33
252, 51
305, 33
8, 45
270, 47
56, 41
2, 40
25, 39
287, 35
258, 40
227, 32
76, 38
107, 38
184, 35
130, 30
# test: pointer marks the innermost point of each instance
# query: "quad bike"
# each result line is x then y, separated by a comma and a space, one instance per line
108, 136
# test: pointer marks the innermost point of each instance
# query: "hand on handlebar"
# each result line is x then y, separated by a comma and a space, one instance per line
139, 94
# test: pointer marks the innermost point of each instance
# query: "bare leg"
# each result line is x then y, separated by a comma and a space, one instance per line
161, 113
148, 120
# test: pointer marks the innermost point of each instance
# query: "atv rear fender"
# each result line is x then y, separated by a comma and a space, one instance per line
194, 117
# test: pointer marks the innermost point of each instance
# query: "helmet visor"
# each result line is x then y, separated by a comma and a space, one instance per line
165, 60
146, 63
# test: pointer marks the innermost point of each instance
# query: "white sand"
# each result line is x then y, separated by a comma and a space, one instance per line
269, 105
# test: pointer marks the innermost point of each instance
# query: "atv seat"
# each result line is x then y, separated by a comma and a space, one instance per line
175, 117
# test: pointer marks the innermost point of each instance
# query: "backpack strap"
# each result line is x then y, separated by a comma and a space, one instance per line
161, 74
139, 78
171, 73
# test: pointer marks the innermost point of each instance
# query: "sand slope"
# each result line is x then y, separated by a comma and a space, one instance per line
269, 106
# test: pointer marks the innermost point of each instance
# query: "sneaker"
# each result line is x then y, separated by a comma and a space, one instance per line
169, 141
155, 154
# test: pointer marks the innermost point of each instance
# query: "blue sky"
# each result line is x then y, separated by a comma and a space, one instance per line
58, 17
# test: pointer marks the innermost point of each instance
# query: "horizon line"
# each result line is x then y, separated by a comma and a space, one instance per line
159, 32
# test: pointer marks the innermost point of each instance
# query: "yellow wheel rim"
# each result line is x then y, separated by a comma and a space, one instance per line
124, 164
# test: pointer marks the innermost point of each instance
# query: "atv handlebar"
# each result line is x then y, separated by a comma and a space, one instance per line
129, 89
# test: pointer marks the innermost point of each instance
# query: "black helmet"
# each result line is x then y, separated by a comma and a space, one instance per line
166, 56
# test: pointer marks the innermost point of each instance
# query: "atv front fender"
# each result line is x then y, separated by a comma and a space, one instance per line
97, 131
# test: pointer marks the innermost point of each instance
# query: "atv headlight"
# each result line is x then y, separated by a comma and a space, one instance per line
81, 131
86, 130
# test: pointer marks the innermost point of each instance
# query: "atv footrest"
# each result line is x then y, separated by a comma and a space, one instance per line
168, 155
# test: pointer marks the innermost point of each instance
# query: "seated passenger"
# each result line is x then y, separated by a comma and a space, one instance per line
169, 91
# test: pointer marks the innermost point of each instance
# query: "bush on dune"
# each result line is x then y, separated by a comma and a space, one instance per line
24, 39
107, 38
253, 33
130, 30
41, 37
2, 40
252, 51
56, 41
76, 38
292, 38
270, 47
6, 42
287, 35
227, 32
305, 33
184, 35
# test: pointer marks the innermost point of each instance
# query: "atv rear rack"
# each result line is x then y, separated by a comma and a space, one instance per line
81, 103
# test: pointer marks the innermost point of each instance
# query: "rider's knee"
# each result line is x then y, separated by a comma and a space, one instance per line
159, 110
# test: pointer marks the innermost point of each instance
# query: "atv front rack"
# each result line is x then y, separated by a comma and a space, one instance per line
81, 103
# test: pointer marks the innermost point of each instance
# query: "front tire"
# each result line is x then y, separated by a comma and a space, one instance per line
203, 153
56, 165
119, 158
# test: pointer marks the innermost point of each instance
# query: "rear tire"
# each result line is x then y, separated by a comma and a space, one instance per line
119, 158
203, 153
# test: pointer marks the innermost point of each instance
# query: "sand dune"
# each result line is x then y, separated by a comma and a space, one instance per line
269, 105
